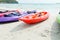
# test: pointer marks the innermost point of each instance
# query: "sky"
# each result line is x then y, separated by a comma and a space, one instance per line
38, 1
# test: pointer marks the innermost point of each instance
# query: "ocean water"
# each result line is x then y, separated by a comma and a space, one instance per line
29, 6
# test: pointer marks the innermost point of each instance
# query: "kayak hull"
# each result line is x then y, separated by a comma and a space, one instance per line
8, 19
33, 21
58, 19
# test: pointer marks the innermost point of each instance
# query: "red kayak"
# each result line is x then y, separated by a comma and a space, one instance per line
35, 18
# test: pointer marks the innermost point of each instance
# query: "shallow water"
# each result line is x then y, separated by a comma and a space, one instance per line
26, 6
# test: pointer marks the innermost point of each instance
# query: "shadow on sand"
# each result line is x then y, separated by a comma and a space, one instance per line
23, 26
55, 31
8, 22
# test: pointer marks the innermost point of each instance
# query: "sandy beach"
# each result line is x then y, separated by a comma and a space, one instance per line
46, 30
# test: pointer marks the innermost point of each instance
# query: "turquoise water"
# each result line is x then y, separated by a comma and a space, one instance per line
30, 6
